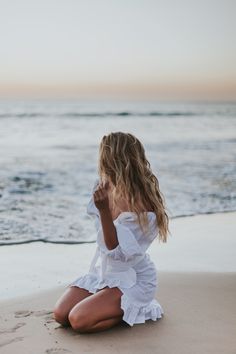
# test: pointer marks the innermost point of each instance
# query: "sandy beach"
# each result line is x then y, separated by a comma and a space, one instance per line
197, 289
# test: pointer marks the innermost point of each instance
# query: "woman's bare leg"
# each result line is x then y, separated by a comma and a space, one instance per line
97, 312
104, 325
72, 296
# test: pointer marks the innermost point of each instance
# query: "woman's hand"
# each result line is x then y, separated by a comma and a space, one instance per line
101, 200
100, 197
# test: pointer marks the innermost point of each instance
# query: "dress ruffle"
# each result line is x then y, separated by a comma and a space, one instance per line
87, 281
133, 313
91, 282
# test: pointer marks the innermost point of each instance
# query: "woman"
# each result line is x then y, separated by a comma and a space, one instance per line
129, 213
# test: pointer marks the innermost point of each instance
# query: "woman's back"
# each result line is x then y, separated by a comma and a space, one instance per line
122, 204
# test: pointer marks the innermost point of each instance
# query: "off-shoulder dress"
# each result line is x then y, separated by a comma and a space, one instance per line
128, 266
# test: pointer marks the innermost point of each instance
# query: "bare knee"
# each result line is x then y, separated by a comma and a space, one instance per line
60, 316
80, 321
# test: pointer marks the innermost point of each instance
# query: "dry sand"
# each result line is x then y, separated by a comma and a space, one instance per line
199, 318
199, 306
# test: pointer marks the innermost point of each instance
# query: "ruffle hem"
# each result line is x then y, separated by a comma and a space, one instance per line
133, 313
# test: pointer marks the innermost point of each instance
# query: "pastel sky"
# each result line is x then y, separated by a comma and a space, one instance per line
161, 49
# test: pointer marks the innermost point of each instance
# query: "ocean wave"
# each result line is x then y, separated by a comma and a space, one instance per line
97, 115
49, 165
108, 114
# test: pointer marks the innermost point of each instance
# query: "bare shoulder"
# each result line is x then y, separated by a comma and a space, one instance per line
122, 206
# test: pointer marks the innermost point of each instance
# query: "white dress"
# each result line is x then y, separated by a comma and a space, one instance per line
127, 266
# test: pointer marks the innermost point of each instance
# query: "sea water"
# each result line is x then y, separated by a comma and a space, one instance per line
49, 158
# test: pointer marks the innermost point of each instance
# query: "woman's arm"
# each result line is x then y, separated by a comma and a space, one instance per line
102, 203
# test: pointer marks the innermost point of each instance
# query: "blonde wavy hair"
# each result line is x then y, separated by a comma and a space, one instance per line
122, 160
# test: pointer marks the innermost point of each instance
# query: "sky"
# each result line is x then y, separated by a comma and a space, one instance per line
157, 49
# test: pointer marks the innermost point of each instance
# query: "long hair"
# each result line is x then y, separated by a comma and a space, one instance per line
123, 161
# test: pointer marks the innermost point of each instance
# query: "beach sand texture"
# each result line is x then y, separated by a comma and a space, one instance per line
199, 308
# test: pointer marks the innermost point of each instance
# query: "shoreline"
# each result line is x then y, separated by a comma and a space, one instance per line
82, 242
203, 243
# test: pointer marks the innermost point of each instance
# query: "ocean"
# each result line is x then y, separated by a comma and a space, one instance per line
49, 155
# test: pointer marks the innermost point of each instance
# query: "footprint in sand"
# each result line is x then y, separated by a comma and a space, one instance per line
47, 315
9, 341
50, 320
42, 313
19, 314
57, 351
13, 329
25, 313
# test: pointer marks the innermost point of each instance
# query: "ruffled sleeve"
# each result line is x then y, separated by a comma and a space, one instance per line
128, 247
